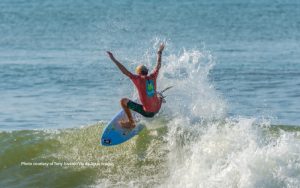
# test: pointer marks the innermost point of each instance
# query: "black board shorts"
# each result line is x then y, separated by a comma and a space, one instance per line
139, 109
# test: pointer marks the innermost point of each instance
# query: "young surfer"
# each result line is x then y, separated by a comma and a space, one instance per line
146, 86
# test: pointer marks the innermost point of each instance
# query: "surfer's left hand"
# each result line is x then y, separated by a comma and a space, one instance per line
110, 54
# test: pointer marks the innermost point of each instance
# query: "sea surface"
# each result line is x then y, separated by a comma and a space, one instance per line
231, 119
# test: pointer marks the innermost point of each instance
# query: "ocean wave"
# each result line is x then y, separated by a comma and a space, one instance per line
191, 143
236, 152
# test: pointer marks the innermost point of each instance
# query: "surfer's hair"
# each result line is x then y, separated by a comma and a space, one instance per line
141, 70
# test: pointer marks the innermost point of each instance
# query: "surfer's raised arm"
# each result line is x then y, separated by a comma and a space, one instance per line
159, 52
119, 65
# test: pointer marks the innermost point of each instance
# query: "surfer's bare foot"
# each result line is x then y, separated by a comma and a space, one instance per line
127, 124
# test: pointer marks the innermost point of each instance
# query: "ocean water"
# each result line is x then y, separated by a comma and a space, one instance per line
231, 119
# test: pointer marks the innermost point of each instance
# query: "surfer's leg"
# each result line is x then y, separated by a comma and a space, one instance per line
130, 123
139, 109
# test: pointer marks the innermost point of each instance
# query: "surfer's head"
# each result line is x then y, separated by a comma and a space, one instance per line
141, 70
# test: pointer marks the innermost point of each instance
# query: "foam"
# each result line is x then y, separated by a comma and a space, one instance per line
235, 154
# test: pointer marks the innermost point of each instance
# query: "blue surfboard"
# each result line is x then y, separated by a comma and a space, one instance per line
114, 134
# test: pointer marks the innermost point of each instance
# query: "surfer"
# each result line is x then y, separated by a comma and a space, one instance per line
146, 86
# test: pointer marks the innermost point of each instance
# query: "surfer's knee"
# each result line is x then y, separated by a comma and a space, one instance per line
124, 102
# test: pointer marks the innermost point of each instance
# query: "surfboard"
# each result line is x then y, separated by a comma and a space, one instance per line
114, 134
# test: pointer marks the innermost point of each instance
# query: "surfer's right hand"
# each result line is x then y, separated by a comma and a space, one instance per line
161, 47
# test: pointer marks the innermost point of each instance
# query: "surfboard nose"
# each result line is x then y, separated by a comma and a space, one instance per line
106, 141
